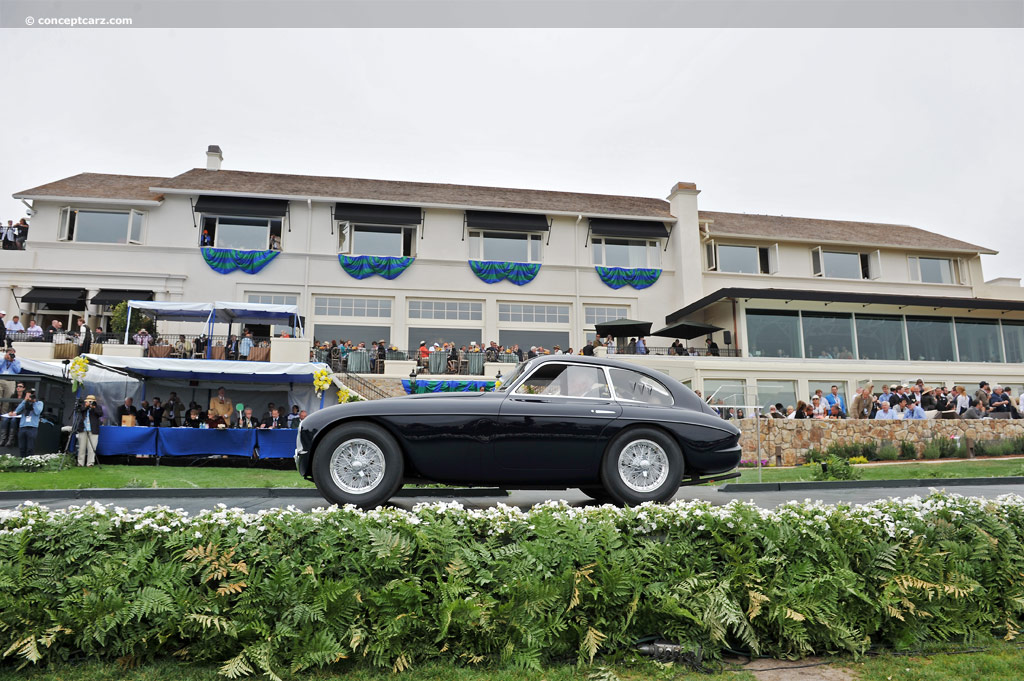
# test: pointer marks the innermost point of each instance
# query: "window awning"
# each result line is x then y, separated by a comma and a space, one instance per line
638, 229
57, 298
236, 205
506, 222
378, 215
113, 296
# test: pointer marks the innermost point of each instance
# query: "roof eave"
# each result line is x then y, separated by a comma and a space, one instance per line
418, 204
90, 199
977, 250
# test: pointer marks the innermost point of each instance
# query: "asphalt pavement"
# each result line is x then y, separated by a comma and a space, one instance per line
307, 499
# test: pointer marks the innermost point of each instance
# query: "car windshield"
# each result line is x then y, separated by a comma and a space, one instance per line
511, 377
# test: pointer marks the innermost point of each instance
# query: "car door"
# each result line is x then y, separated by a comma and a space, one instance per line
550, 427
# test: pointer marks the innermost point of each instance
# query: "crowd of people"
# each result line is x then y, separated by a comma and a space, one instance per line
916, 401
13, 235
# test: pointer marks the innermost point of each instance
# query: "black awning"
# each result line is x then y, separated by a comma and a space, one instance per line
57, 298
506, 222
378, 215
113, 296
639, 229
246, 207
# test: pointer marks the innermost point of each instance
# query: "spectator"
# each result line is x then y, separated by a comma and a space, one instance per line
774, 412
834, 398
641, 346
8, 236
981, 396
15, 325
215, 420
885, 412
156, 413
863, 403
912, 410
998, 402
84, 337
245, 347
199, 345
88, 431
928, 400
142, 415
631, 347
712, 347
790, 412
22, 236
676, 348
274, 421
293, 418
8, 366
1014, 405
818, 408
194, 420
30, 410
588, 349
835, 412
962, 402
9, 424
220, 404
143, 338
173, 410
34, 331
801, 410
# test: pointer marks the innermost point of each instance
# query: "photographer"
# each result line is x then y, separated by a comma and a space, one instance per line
29, 410
8, 365
88, 431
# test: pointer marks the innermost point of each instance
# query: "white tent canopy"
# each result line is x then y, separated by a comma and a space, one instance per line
217, 312
111, 387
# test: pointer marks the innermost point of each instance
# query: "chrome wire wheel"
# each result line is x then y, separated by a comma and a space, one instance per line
643, 466
357, 466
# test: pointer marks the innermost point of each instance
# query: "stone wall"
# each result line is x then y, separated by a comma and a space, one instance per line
785, 442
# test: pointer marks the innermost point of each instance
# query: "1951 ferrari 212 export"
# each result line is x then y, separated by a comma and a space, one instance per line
614, 429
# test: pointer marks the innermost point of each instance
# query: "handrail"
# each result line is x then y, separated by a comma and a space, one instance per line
365, 387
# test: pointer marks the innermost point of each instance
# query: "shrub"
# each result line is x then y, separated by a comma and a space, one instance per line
752, 463
888, 453
35, 462
835, 468
908, 450
931, 451
815, 455
857, 460
995, 447
949, 448
281, 591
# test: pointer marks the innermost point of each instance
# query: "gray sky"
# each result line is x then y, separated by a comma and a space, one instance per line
912, 127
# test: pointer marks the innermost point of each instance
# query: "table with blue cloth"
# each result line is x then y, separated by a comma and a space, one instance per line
127, 441
438, 362
475, 363
359, 362
205, 441
277, 443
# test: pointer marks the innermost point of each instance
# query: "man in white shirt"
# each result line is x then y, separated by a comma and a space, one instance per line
885, 413
15, 325
34, 330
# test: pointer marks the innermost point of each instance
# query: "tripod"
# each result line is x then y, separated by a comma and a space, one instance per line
75, 421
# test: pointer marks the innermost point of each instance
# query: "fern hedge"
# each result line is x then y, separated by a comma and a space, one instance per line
282, 591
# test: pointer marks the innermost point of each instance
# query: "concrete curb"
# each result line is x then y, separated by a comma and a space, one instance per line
865, 484
100, 494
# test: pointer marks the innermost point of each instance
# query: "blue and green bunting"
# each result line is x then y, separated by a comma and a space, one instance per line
363, 266
448, 386
617, 277
493, 271
226, 260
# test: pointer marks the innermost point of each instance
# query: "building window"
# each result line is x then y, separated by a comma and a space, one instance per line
380, 240
977, 340
775, 392
348, 306
727, 391
101, 226
773, 333
504, 246
272, 299
1013, 340
937, 270
537, 314
828, 335
840, 265
595, 314
241, 233
741, 259
826, 389
626, 253
930, 339
452, 310
881, 337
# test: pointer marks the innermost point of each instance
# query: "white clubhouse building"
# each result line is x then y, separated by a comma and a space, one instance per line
804, 303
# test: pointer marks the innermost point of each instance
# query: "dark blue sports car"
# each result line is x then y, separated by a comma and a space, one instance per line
616, 430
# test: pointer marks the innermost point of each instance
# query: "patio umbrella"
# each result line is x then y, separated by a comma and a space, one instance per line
686, 330
621, 328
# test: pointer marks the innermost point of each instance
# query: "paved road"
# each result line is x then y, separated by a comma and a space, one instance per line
525, 499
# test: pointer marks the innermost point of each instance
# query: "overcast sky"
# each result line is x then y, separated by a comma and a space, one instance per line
912, 127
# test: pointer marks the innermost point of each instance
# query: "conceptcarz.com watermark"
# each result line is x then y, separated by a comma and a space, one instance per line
78, 21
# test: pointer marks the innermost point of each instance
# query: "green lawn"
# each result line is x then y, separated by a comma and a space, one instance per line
998, 662
979, 468
152, 476
198, 476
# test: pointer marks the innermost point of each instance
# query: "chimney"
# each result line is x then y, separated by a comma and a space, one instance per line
213, 157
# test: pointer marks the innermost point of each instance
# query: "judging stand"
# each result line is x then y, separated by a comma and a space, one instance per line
250, 383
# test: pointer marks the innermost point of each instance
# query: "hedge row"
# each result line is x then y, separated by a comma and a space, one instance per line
283, 591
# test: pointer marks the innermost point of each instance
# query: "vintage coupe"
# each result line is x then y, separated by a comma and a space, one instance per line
616, 430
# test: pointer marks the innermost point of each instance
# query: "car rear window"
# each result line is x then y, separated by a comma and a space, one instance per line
632, 385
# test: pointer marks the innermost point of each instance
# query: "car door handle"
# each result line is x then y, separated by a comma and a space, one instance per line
602, 411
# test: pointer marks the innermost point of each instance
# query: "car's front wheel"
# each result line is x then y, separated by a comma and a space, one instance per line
642, 464
357, 463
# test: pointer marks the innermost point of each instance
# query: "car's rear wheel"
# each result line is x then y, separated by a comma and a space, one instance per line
357, 463
642, 464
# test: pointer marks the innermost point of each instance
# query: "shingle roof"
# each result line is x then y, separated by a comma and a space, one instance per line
99, 186
825, 231
200, 180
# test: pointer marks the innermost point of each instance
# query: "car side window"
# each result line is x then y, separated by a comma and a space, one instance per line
567, 381
632, 385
